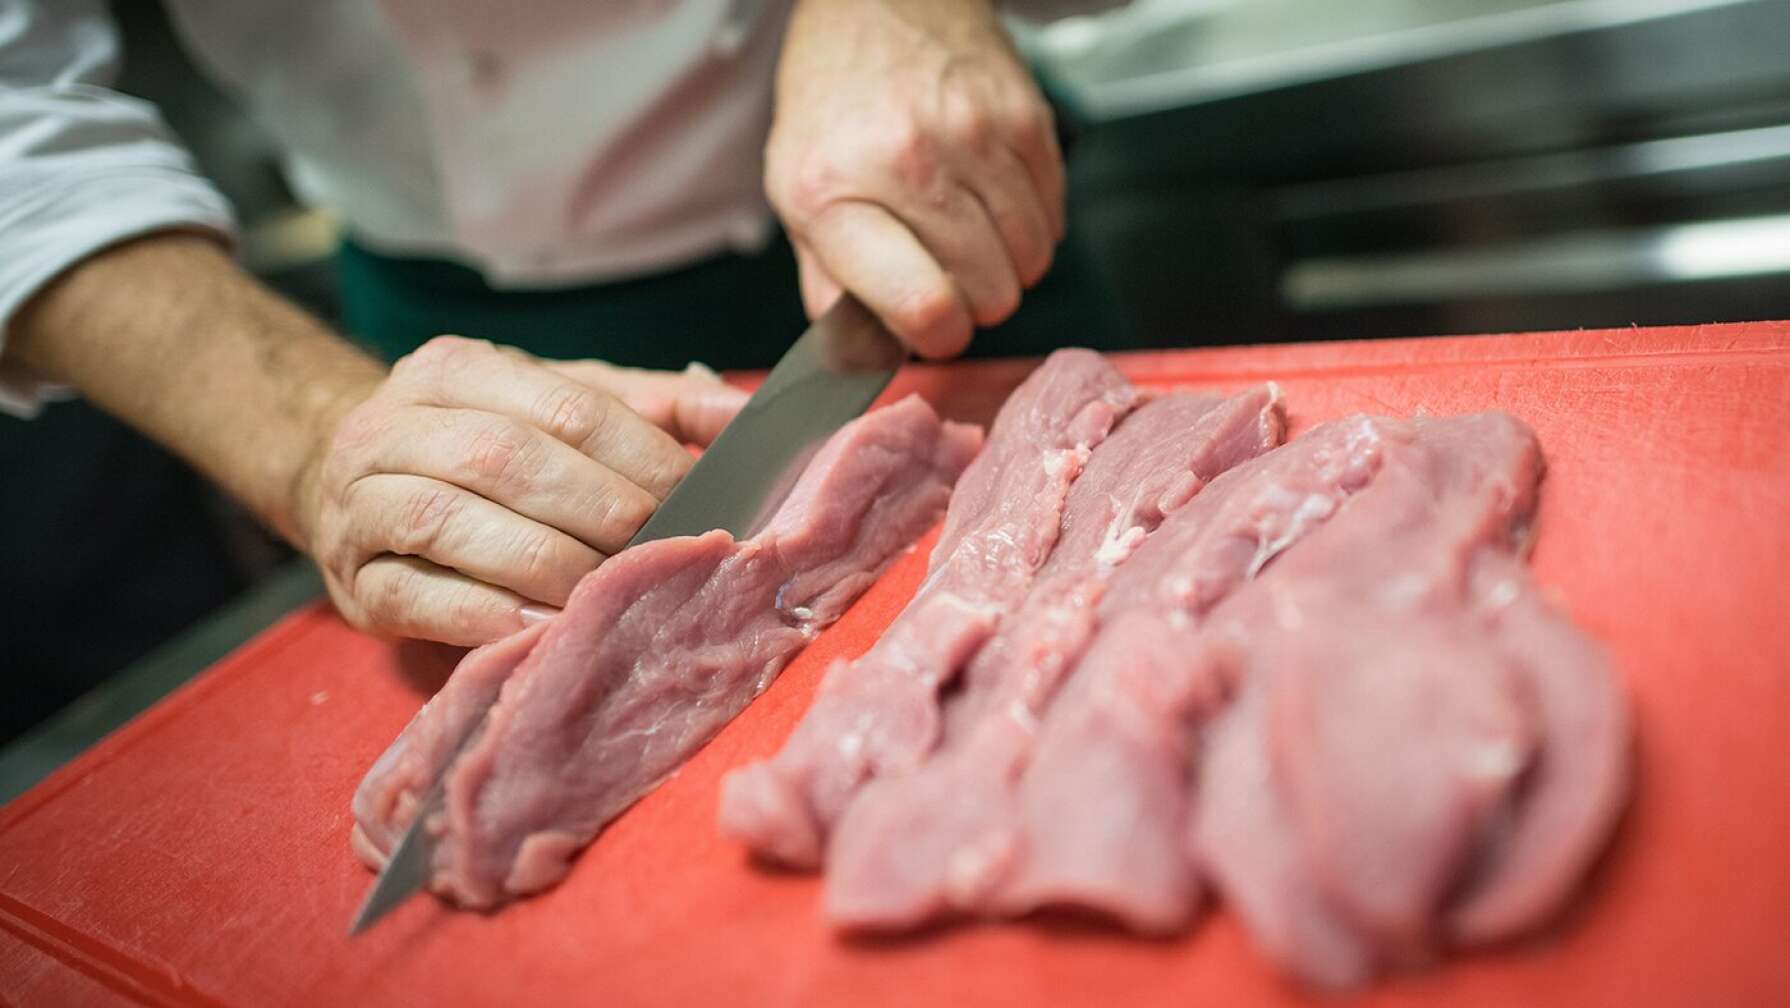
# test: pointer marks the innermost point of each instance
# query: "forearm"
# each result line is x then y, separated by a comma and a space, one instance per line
171, 336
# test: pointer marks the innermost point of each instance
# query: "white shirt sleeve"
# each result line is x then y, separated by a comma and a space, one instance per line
81, 167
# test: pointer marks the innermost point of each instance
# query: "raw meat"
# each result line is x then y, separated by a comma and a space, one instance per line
1104, 801
1315, 677
880, 714
656, 650
1244, 837
386, 801
912, 845
1443, 755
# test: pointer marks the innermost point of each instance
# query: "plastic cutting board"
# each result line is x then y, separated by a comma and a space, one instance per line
200, 855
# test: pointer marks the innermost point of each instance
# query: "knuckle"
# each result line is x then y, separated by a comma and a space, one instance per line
342, 595
972, 127
382, 594
808, 188
430, 355
676, 466
440, 359
924, 310
466, 611
1003, 301
627, 510
354, 614
910, 156
572, 413
1038, 261
1024, 115
1029, 122
422, 520
538, 560
499, 454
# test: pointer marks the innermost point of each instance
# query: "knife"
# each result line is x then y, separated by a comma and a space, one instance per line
825, 380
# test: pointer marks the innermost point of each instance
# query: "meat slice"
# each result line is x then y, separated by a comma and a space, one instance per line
655, 651
1244, 836
912, 845
880, 714
1408, 690
1397, 720
386, 800
1104, 801
1564, 810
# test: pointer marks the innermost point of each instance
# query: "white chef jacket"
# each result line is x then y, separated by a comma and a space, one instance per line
543, 142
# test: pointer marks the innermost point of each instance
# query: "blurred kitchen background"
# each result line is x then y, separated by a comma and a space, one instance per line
1242, 171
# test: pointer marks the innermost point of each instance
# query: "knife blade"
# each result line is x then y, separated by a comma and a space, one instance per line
826, 379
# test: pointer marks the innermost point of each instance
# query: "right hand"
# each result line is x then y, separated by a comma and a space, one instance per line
467, 496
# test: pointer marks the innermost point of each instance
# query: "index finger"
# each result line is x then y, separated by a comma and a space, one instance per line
692, 405
475, 375
878, 258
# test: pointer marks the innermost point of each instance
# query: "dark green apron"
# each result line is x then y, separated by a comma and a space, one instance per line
728, 311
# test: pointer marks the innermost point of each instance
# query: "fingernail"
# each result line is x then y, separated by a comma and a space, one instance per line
697, 367
532, 614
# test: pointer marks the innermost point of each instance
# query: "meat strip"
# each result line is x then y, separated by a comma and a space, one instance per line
656, 650
911, 846
880, 714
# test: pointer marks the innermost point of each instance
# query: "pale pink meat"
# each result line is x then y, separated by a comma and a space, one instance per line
657, 649
880, 714
1316, 678
1244, 836
1572, 794
386, 799
912, 845
1103, 804
1408, 689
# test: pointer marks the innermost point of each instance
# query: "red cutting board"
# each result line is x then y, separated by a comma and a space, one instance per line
200, 855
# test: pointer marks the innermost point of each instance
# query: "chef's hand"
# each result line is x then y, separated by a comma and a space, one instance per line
468, 494
914, 163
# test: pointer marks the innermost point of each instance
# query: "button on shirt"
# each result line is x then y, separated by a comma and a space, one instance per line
545, 142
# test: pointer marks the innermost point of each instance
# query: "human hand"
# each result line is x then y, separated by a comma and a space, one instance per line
913, 162
476, 485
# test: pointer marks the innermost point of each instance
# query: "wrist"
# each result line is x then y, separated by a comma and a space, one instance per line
329, 405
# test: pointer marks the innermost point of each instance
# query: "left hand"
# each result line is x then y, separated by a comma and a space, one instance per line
914, 163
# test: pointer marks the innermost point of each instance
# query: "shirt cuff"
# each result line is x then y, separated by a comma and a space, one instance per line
56, 224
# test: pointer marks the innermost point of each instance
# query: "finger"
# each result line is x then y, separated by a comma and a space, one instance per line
474, 375
441, 523
1013, 203
411, 597
819, 289
692, 406
517, 466
1034, 141
876, 257
963, 239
